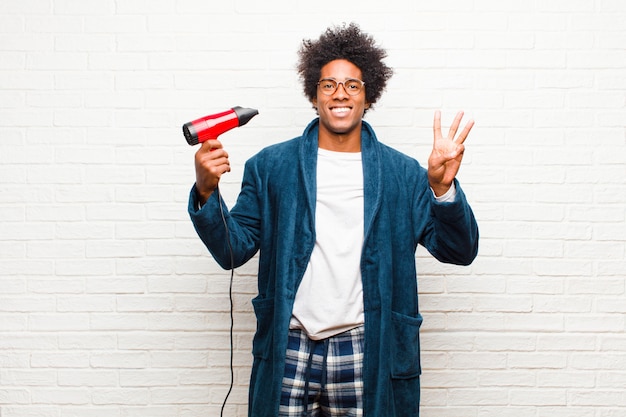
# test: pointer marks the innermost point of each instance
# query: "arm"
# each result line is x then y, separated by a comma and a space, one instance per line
237, 230
453, 233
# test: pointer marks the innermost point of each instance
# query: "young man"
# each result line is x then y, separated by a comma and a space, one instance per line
336, 217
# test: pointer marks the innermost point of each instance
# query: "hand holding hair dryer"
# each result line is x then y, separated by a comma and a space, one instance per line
213, 125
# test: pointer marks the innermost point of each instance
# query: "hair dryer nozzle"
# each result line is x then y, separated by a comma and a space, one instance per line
211, 126
244, 114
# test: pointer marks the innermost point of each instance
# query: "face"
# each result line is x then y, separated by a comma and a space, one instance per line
340, 113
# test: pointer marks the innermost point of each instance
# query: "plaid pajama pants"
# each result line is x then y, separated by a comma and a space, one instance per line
323, 378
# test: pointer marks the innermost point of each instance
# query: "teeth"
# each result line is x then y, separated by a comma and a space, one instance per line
341, 109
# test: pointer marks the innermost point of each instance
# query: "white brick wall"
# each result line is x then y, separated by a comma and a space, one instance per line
111, 307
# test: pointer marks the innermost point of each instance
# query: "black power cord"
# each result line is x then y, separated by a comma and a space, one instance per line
230, 296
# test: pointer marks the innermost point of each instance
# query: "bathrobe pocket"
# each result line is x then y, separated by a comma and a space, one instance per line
405, 346
262, 342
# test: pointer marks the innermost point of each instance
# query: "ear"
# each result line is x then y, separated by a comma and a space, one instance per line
314, 102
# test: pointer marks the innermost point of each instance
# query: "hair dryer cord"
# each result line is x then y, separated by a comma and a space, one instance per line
230, 296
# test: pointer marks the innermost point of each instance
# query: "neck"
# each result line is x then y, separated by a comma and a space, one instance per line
339, 142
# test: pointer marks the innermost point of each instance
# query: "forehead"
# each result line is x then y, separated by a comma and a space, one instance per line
340, 69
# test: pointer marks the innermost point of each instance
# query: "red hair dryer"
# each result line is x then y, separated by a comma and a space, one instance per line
213, 125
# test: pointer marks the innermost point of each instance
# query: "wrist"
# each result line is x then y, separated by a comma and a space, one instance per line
448, 197
202, 196
439, 189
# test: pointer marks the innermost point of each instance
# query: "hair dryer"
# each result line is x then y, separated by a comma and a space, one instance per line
213, 125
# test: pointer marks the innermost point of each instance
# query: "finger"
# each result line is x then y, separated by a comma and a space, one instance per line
218, 172
460, 149
211, 145
218, 168
455, 125
226, 167
437, 125
207, 149
465, 132
223, 170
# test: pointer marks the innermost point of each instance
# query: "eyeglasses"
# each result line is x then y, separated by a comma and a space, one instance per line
328, 86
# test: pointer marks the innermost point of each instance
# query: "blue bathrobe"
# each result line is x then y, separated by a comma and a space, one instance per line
275, 216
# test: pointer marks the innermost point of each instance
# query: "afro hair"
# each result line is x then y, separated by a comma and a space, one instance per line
349, 43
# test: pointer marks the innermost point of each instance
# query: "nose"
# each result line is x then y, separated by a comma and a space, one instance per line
342, 92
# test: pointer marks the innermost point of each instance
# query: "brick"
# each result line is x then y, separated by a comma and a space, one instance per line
119, 360
14, 360
204, 377
508, 411
49, 213
115, 249
611, 268
58, 322
147, 341
180, 396
143, 378
175, 360
536, 361
78, 341
560, 379
31, 378
87, 7
85, 304
599, 398
545, 322
33, 267
118, 322
14, 396
566, 304
55, 285
118, 212
507, 378
84, 267
59, 360
115, 24
126, 396
43, 23
538, 249
27, 304
561, 41
56, 61
604, 323
477, 397
144, 303
542, 397
13, 323
87, 378
12, 250
122, 285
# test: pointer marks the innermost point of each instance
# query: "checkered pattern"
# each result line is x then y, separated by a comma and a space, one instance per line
323, 378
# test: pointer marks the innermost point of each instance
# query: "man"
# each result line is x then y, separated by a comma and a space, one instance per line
336, 217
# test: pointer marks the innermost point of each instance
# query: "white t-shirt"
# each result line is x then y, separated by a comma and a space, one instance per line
329, 300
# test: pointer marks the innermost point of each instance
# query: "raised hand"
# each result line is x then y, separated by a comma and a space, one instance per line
445, 159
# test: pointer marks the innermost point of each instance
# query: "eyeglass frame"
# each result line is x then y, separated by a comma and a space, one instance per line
343, 84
